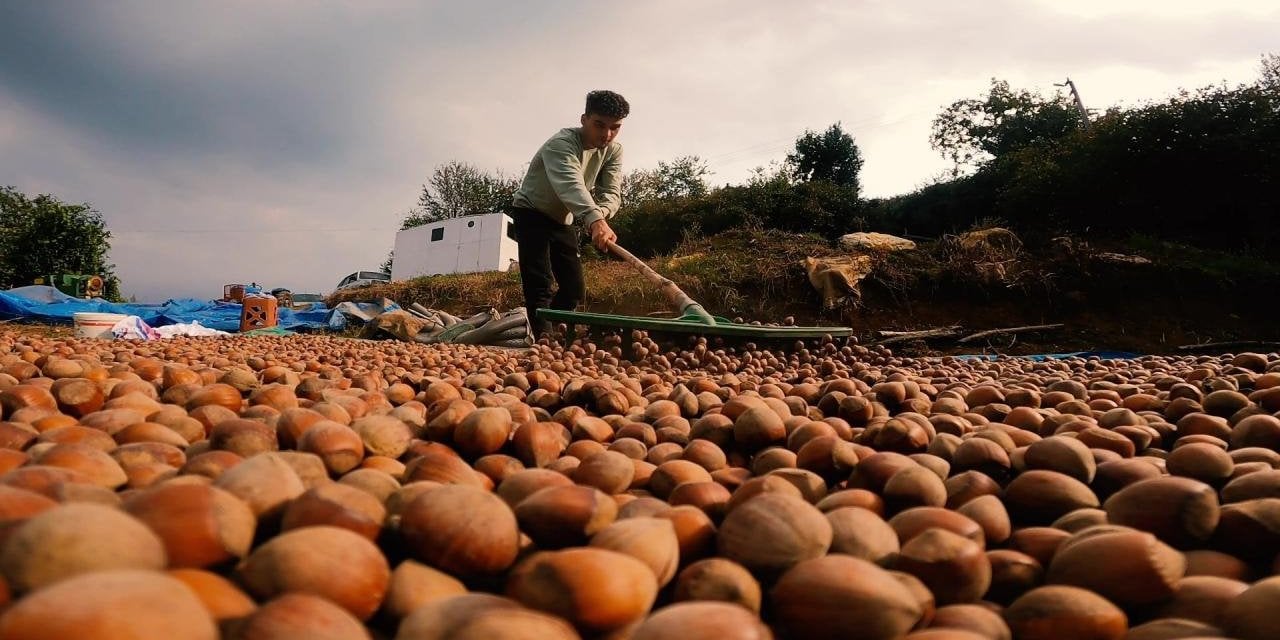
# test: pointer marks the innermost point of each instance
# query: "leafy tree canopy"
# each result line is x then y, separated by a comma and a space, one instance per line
1270, 76
830, 156
972, 131
683, 177
44, 236
459, 189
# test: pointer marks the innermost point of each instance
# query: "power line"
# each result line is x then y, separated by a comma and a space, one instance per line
762, 152
755, 152
761, 147
786, 140
257, 231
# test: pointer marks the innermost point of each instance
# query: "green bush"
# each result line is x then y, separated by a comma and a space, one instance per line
1201, 168
819, 207
937, 209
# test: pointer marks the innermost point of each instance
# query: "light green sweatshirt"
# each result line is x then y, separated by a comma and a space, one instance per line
571, 184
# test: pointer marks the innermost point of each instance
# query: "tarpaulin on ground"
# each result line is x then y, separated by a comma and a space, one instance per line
363, 312
384, 317
837, 278
48, 305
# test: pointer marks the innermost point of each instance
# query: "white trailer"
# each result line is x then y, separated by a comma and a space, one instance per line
482, 242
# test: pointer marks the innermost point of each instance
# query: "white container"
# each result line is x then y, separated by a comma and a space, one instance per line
481, 242
96, 325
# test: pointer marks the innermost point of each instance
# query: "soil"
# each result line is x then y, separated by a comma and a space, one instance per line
1180, 297
1163, 307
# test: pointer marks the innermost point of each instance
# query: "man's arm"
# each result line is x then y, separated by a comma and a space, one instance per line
564, 172
608, 189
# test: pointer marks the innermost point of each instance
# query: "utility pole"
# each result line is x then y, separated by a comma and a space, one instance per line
1084, 115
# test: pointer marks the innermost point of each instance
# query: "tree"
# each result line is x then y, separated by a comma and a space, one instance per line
830, 156
972, 131
775, 174
458, 189
43, 236
1201, 167
684, 177
1270, 79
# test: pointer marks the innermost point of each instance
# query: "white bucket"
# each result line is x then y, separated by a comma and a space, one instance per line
96, 325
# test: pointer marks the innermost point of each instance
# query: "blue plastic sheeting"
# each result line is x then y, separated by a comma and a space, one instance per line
40, 293
365, 311
47, 305
1102, 355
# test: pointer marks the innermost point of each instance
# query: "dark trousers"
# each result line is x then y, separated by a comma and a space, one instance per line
548, 250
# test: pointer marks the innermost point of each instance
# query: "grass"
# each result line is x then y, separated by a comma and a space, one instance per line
1186, 295
609, 285
758, 275
742, 272
751, 273
738, 272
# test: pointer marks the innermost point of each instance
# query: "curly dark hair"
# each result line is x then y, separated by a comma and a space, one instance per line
607, 103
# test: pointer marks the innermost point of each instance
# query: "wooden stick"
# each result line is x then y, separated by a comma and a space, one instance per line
1231, 344
996, 332
905, 336
894, 334
681, 301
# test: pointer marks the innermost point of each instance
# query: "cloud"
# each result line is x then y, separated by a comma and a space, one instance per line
283, 142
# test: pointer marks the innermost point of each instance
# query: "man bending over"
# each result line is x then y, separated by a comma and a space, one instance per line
574, 179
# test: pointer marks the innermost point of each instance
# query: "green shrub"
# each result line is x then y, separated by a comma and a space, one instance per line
818, 207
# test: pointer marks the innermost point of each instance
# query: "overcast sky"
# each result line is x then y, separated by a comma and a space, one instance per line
282, 142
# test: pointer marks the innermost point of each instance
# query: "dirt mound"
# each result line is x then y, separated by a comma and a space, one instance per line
1178, 296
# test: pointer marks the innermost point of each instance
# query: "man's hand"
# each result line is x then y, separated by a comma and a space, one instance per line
602, 234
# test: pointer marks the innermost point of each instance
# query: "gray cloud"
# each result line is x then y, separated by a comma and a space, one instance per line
282, 142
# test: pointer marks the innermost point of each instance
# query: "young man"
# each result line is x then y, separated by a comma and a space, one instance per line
574, 179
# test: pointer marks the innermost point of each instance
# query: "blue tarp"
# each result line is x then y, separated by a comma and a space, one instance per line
48, 305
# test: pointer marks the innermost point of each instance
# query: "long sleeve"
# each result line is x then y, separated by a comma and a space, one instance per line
608, 190
571, 184
564, 172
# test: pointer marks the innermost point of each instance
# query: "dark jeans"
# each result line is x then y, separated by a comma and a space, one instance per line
548, 250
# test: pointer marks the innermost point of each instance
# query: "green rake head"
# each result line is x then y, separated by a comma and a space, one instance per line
693, 323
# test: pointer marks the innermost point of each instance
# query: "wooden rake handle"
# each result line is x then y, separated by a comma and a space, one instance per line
678, 298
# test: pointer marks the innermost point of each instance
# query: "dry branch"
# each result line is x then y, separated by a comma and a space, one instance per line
892, 337
1231, 344
894, 334
1008, 330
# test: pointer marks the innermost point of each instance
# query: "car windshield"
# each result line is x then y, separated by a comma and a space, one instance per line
374, 275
